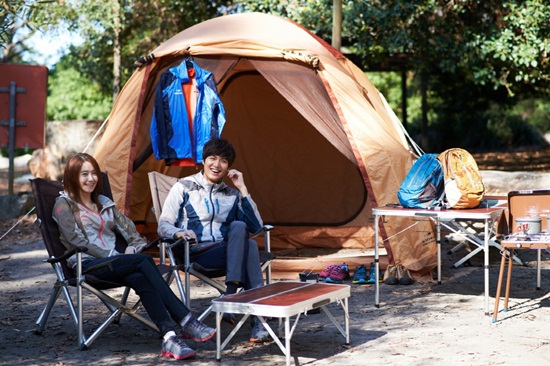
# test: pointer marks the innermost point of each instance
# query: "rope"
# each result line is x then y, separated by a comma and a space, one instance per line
17, 223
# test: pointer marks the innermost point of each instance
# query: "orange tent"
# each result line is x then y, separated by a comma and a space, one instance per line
316, 141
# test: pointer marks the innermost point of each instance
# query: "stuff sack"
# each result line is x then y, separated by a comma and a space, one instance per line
463, 184
424, 183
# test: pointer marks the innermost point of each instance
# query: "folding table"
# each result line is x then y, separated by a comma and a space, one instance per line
281, 300
487, 215
514, 242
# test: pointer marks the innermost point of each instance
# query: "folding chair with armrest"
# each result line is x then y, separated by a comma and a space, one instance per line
45, 193
160, 187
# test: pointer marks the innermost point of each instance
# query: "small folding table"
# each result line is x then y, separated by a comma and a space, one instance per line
281, 300
515, 242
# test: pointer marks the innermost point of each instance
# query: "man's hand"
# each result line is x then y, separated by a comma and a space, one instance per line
186, 234
238, 180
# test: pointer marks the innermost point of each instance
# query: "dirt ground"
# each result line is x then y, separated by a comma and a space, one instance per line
420, 324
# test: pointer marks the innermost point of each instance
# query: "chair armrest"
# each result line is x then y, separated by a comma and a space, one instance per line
262, 230
67, 254
171, 243
154, 243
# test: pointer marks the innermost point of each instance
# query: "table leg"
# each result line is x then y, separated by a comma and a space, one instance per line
376, 261
538, 268
486, 264
287, 340
346, 319
499, 285
508, 281
218, 336
438, 242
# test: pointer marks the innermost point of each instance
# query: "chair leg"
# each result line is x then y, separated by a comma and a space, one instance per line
43, 318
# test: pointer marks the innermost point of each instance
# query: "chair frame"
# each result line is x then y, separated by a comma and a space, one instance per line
159, 181
44, 190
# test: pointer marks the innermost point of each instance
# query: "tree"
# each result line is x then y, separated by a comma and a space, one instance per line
117, 32
72, 95
13, 20
489, 50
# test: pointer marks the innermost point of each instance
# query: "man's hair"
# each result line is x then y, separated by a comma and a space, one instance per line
71, 176
219, 147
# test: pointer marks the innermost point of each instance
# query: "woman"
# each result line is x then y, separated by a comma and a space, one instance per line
202, 207
88, 219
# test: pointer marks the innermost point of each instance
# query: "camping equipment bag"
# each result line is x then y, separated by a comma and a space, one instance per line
424, 183
463, 184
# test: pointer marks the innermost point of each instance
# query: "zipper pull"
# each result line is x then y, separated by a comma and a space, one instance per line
207, 205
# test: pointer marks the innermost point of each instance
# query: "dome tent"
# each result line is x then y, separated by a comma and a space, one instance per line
316, 142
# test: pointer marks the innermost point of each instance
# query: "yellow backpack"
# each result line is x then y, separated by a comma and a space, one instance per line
463, 184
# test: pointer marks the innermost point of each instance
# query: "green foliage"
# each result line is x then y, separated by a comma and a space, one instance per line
71, 95
487, 60
517, 54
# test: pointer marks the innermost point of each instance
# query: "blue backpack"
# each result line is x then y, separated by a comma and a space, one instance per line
424, 184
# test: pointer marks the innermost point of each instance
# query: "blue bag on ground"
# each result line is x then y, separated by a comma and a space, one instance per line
424, 184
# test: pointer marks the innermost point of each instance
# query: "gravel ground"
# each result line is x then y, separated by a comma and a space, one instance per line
420, 324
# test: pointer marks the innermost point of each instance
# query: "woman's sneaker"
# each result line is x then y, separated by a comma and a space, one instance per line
191, 328
338, 274
176, 347
325, 273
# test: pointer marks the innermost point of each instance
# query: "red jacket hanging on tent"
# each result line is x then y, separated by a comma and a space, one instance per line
183, 123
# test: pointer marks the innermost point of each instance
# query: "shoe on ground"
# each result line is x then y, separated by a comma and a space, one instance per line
229, 318
176, 347
259, 334
360, 275
325, 273
372, 273
404, 276
390, 277
338, 274
193, 329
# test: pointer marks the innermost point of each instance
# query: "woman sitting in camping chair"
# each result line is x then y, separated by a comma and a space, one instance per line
218, 218
87, 219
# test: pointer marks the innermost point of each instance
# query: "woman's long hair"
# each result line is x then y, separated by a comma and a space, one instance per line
71, 177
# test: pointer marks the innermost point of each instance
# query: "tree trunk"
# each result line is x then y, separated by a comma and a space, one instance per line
116, 51
424, 77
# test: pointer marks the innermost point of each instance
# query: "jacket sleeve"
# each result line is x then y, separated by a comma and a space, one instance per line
248, 212
170, 211
71, 234
127, 229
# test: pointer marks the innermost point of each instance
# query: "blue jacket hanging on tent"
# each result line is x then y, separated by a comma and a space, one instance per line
187, 113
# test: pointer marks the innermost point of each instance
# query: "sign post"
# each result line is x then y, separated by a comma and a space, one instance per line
13, 90
23, 89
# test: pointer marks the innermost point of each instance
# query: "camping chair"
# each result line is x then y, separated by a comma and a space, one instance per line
45, 193
160, 187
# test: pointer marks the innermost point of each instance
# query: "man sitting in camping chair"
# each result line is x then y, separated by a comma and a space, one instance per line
218, 219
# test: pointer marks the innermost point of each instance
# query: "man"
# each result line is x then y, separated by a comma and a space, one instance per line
219, 218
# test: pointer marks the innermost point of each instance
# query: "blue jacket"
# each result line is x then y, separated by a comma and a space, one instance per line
170, 134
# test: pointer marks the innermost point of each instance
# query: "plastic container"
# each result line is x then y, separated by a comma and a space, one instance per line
529, 225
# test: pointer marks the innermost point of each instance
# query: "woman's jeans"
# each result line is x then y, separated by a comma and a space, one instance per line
140, 272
